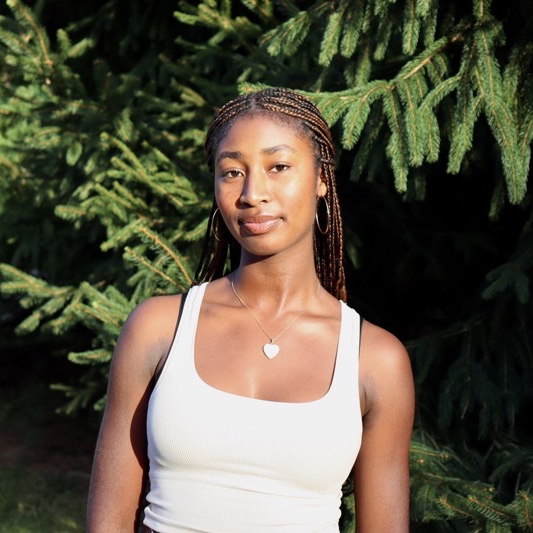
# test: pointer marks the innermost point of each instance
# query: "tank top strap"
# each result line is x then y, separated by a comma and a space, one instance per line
182, 346
346, 372
350, 329
191, 309
186, 334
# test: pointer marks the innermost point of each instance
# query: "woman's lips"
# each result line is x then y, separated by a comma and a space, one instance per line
258, 225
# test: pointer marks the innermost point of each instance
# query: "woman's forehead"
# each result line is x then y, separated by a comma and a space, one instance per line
269, 127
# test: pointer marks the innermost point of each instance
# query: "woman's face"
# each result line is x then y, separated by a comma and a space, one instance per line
267, 184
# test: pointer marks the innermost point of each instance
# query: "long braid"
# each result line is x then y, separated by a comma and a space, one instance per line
283, 103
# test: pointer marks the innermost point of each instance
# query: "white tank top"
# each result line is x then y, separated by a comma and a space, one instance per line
220, 462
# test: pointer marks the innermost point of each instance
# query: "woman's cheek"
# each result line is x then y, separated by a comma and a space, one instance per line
226, 194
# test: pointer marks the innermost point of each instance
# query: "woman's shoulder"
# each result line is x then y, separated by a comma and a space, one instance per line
384, 363
155, 314
158, 305
380, 345
148, 331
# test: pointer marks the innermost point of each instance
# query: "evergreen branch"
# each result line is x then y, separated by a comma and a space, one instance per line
116, 201
437, 68
501, 123
123, 125
383, 36
414, 141
64, 42
62, 322
426, 57
355, 119
479, 8
262, 9
422, 8
26, 283
522, 507
432, 134
411, 30
330, 42
456, 510
70, 212
79, 397
122, 234
112, 303
147, 264
17, 44
490, 81
60, 325
418, 449
21, 11
396, 147
13, 169
507, 275
208, 15
291, 33
454, 331
438, 93
136, 203
430, 21
510, 81
74, 152
332, 107
30, 323
367, 142
287, 37
353, 25
427, 117
99, 314
157, 240
139, 171
90, 357
490, 510
381, 7
363, 66
421, 86
466, 114
354, 122
196, 233
80, 48
49, 308
123, 147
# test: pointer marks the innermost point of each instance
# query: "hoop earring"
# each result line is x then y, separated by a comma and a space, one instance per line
214, 224
323, 231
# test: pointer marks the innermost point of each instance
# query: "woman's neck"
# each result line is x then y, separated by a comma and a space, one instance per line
270, 283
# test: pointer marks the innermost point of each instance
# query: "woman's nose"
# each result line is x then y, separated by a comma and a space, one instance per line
255, 188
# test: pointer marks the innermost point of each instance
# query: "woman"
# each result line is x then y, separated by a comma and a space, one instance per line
271, 391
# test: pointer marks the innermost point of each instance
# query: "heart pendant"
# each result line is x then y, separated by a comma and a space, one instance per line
270, 350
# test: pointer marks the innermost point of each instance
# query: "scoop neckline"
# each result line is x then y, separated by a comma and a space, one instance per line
216, 390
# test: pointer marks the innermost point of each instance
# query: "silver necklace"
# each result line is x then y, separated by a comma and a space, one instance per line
270, 349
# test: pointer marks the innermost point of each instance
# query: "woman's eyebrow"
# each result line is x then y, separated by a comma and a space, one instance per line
229, 155
265, 151
277, 148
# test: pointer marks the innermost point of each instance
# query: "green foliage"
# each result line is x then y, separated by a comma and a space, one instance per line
35, 501
43, 483
104, 194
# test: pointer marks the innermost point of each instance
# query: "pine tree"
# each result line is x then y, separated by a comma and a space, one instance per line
104, 194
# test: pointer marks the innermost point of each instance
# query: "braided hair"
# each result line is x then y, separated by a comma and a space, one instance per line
301, 113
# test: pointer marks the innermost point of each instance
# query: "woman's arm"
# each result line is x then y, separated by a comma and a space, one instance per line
120, 463
381, 474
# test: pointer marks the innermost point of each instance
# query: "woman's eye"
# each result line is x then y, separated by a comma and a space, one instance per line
280, 167
231, 173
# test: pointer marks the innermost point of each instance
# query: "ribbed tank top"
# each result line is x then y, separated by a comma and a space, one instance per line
221, 462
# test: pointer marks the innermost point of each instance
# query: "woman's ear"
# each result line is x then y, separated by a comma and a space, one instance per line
321, 187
